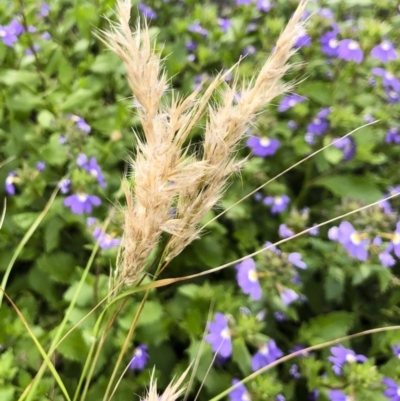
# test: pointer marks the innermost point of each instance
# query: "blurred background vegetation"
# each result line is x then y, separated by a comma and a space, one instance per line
62, 94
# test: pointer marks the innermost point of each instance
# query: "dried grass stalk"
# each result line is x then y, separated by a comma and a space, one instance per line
163, 175
171, 393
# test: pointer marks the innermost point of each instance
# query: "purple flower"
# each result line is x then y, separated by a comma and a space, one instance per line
220, 335
284, 231
147, 11
303, 39
81, 203
191, 45
309, 138
326, 13
337, 395
250, 49
350, 50
299, 347
324, 113
314, 230
83, 125
289, 296
392, 136
9, 183
280, 397
329, 44
396, 350
290, 101
105, 240
392, 96
197, 28
352, 241
342, 355
35, 48
348, 147
224, 24
393, 389
243, 2
396, 240
9, 33
279, 203
248, 279
387, 259
44, 10
280, 317
267, 354
94, 169
313, 395
258, 196
45, 36
369, 118
239, 393
40, 166
295, 259
384, 52
91, 166
292, 125
264, 5
294, 371
91, 221
263, 147
64, 185
16, 27
389, 80
82, 160
318, 126
140, 357
272, 248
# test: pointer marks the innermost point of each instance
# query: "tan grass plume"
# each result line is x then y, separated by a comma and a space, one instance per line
174, 389
170, 190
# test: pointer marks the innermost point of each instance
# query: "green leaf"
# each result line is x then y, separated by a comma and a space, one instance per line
327, 327
7, 392
52, 233
74, 346
334, 284
333, 155
53, 152
317, 91
351, 186
19, 77
189, 290
77, 99
85, 297
106, 63
152, 312
25, 220
24, 101
59, 266
45, 118
241, 355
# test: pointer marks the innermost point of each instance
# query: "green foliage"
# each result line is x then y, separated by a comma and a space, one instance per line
71, 76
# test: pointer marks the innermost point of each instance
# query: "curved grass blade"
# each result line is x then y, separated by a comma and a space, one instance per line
40, 348
300, 352
24, 241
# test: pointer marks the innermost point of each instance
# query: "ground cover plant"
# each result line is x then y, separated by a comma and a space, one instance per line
111, 168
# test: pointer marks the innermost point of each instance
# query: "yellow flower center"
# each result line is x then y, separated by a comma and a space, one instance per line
353, 45
264, 141
355, 239
253, 276
226, 334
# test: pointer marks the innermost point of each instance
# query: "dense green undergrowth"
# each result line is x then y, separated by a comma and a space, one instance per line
66, 114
